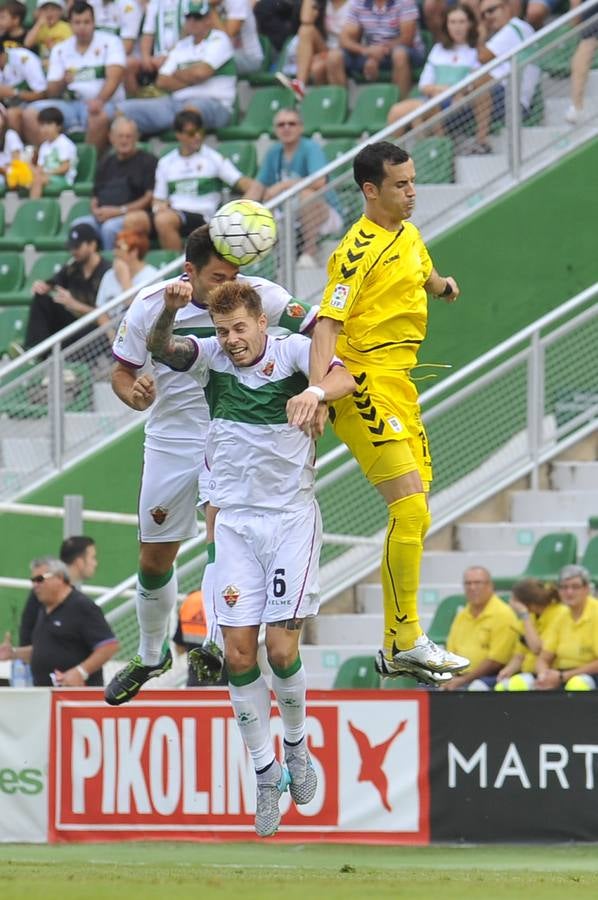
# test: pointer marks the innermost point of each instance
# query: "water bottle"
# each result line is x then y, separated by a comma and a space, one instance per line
20, 674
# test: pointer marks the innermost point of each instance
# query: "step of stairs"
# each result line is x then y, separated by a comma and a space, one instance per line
574, 476
554, 506
483, 537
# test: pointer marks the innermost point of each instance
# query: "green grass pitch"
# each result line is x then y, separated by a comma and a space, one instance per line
272, 871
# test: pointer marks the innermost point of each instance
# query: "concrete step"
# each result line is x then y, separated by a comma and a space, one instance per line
105, 400
434, 199
368, 598
554, 506
475, 171
574, 476
490, 536
322, 661
25, 454
351, 628
440, 567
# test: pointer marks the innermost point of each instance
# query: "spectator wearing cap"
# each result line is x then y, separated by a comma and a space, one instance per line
71, 292
22, 80
199, 73
48, 29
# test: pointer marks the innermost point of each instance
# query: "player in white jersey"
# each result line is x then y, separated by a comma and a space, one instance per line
268, 528
175, 435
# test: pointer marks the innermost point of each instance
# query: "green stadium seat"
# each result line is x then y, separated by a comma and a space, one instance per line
335, 147
400, 683
369, 113
43, 268
323, 105
12, 273
33, 220
262, 108
13, 323
590, 558
357, 672
264, 77
550, 554
158, 258
443, 617
434, 160
58, 241
87, 157
593, 523
242, 154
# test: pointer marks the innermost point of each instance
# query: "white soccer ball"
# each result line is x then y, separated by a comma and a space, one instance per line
243, 231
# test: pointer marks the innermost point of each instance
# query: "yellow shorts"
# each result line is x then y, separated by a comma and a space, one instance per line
382, 427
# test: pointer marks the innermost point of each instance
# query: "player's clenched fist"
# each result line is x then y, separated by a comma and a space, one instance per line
177, 294
143, 392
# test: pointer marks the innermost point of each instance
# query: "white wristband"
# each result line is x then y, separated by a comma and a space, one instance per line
82, 672
318, 391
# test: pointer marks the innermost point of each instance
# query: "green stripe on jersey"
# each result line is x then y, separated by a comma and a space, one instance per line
293, 315
194, 185
197, 332
266, 405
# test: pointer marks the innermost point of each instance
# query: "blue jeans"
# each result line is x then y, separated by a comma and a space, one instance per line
107, 230
155, 115
74, 111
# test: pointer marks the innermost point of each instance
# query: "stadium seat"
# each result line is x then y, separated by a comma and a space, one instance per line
369, 113
433, 158
357, 672
446, 611
336, 147
86, 170
242, 154
400, 683
12, 273
550, 554
262, 108
158, 258
58, 241
33, 220
264, 77
323, 105
13, 323
44, 267
590, 558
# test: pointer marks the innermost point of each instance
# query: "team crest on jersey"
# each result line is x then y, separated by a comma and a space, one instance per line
295, 311
340, 295
231, 594
158, 514
268, 368
122, 332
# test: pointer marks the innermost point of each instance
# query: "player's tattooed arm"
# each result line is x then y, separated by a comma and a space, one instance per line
176, 351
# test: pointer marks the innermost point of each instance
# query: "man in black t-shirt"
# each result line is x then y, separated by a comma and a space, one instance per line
71, 639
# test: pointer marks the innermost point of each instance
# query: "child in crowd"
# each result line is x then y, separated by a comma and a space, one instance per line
12, 30
48, 29
11, 145
56, 157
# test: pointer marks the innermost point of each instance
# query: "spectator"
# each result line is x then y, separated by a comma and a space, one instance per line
191, 635
22, 81
450, 60
570, 647
581, 63
538, 607
291, 158
378, 36
236, 18
499, 32
119, 17
71, 292
48, 29
319, 32
85, 76
186, 192
129, 269
485, 631
11, 145
72, 654
277, 20
12, 30
78, 553
57, 156
123, 183
163, 27
199, 74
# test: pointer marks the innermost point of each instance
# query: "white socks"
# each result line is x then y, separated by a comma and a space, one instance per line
155, 600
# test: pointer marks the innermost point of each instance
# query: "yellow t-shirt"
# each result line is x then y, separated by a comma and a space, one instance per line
548, 619
493, 634
48, 37
376, 289
574, 643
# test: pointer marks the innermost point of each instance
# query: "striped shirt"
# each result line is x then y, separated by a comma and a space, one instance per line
381, 24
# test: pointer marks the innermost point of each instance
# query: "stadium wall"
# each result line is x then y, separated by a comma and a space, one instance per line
394, 767
514, 261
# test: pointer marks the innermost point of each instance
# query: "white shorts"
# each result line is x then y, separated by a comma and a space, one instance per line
169, 492
267, 566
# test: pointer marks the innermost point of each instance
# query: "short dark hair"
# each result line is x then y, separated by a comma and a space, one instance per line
187, 117
16, 9
51, 115
79, 7
368, 165
231, 295
199, 247
74, 547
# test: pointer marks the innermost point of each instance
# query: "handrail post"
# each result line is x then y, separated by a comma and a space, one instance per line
534, 413
56, 405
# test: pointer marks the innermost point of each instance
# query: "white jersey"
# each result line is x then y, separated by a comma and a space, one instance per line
23, 70
121, 17
216, 50
248, 39
256, 460
448, 66
515, 32
180, 411
194, 183
165, 20
12, 144
53, 153
88, 69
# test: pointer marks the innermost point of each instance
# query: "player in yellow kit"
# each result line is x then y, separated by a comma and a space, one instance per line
373, 315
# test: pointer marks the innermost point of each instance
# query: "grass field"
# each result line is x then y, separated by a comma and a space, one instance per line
271, 871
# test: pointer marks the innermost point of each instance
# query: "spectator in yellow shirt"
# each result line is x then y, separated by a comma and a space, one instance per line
48, 29
485, 631
538, 607
571, 647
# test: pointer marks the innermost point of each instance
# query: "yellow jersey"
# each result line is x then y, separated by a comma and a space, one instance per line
549, 618
376, 289
492, 634
574, 643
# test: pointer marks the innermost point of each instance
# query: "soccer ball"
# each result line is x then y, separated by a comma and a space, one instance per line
243, 231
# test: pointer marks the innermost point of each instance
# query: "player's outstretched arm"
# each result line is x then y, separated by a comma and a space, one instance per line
323, 344
446, 289
137, 391
177, 352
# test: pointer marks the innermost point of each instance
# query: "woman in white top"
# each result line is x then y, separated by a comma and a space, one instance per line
448, 63
129, 269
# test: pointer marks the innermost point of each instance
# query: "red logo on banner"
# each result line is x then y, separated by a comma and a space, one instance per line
372, 760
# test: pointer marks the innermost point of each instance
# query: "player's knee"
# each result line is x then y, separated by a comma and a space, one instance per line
412, 517
239, 658
156, 559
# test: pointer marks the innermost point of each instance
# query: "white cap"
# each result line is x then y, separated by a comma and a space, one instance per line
59, 3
